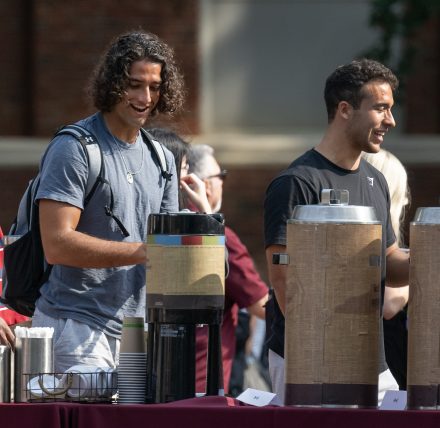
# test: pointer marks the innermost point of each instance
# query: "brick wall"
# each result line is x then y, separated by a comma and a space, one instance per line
12, 63
49, 49
422, 98
53, 46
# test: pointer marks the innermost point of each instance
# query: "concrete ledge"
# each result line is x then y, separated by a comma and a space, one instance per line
245, 149
18, 151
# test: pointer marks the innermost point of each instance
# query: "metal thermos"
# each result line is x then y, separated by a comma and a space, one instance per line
185, 288
423, 377
5, 374
332, 303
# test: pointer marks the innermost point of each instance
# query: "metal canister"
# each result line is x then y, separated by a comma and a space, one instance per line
423, 377
332, 304
5, 374
32, 356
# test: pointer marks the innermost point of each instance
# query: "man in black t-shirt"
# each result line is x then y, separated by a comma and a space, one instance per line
359, 98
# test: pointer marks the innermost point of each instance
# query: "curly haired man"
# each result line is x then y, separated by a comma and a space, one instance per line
98, 274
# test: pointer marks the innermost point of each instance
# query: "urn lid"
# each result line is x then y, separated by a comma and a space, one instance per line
427, 215
334, 208
188, 222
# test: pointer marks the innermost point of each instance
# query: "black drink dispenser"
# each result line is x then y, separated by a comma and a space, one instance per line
185, 287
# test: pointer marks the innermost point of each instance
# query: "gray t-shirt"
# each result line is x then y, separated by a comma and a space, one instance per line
102, 297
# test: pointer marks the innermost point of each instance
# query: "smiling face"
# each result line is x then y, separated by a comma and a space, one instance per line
141, 97
368, 124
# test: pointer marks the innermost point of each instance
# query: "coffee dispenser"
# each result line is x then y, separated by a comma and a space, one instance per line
332, 303
423, 377
185, 288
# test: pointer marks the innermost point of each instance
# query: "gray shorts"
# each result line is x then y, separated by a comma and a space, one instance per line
77, 343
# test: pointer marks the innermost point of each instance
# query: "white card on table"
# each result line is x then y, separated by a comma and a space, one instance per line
394, 400
254, 397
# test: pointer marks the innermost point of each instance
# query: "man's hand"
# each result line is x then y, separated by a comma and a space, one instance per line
6, 336
195, 191
397, 261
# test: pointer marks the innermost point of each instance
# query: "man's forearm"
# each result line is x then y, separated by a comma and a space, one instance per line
64, 245
277, 275
76, 249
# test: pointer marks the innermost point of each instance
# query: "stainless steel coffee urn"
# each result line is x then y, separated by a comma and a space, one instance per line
332, 303
185, 287
423, 377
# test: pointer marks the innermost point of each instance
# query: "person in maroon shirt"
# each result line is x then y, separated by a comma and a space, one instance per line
7, 316
243, 286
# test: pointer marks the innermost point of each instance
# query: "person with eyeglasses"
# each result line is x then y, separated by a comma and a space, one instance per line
192, 191
222, 175
244, 287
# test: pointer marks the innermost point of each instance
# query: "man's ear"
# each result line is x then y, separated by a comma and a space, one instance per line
208, 187
345, 110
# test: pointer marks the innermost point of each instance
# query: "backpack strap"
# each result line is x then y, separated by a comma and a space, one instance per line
160, 154
96, 163
96, 167
94, 156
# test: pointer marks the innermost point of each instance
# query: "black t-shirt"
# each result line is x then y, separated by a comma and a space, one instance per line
301, 184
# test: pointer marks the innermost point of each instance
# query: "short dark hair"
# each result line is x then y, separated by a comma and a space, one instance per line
110, 77
346, 82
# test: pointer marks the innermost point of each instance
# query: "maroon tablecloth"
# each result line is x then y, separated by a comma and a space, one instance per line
206, 412
47, 415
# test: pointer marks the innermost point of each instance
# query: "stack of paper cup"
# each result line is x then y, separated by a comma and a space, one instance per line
132, 368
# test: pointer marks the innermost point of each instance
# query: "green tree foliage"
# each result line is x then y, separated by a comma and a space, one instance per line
398, 22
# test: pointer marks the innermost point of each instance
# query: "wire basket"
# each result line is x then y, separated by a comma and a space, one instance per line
92, 387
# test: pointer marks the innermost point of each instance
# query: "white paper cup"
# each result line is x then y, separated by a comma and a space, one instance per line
87, 381
49, 382
132, 336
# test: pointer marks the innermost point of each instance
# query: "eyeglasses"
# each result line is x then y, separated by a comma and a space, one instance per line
222, 175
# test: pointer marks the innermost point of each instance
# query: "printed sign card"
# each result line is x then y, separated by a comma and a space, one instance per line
394, 400
254, 397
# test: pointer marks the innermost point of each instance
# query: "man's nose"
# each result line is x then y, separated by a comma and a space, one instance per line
389, 119
146, 95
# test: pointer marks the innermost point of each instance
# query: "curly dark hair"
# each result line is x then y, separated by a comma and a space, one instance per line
346, 82
110, 78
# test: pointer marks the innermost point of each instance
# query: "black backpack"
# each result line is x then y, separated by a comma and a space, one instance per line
25, 268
